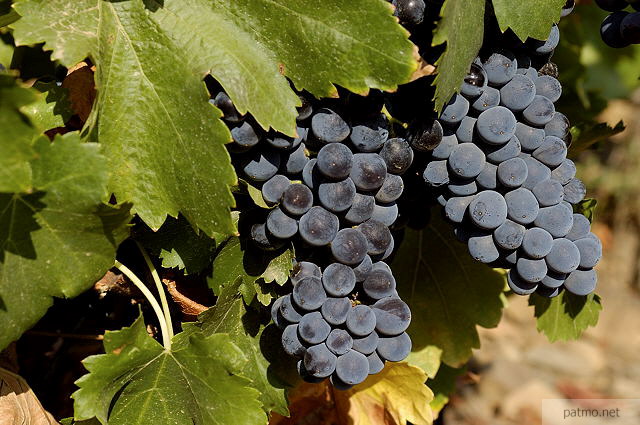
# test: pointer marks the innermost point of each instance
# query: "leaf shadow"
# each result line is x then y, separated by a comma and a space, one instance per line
573, 304
18, 222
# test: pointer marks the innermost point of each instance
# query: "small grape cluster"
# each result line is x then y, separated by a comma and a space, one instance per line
620, 28
332, 192
503, 175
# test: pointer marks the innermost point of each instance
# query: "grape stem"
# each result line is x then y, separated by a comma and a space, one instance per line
160, 288
154, 303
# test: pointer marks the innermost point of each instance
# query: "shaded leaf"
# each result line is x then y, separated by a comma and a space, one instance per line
566, 316
587, 134
586, 207
462, 27
235, 260
443, 385
58, 240
528, 18
449, 293
395, 396
51, 109
138, 381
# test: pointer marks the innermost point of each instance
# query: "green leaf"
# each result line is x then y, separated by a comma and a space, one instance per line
462, 27
426, 358
59, 240
586, 207
254, 193
566, 316
237, 261
449, 293
587, 134
6, 55
16, 137
7, 14
179, 245
443, 385
163, 140
137, 381
51, 109
247, 330
528, 18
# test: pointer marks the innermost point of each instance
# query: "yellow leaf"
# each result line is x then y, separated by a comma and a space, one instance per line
395, 396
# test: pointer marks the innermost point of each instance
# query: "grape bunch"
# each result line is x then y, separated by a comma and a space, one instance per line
502, 173
332, 192
620, 28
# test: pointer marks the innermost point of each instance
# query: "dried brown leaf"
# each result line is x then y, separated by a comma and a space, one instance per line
18, 404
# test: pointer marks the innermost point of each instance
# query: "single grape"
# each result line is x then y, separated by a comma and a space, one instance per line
391, 189
297, 199
318, 226
291, 342
553, 279
329, 127
398, 155
497, 125
274, 188
378, 236
488, 210
464, 134
335, 310
352, 368
580, 228
309, 293
564, 172
337, 196
295, 161
537, 172
475, 81
489, 98
537, 243
456, 208
305, 110
564, 256
548, 193
581, 282
509, 235
530, 138
263, 239
338, 280
630, 28
339, 342
379, 283
281, 225
282, 142
369, 171
574, 191
385, 213
518, 285
512, 172
540, 111
590, 251
361, 320
394, 348
361, 209
245, 136
229, 112
556, 220
319, 361
334, 161
610, 30
313, 329
463, 188
304, 269
498, 154
455, 110
370, 135
349, 247
424, 136
548, 87
547, 46
261, 165
392, 316
466, 160
376, 364
552, 152
276, 316
488, 177
436, 174
310, 175
568, 8
522, 206
366, 345
362, 270
518, 93
482, 248
289, 311
500, 66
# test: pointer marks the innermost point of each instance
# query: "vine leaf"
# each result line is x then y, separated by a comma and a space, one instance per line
528, 18
236, 261
587, 134
397, 395
449, 293
247, 330
51, 109
443, 385
137, 381
16, 137
462, 28
179, 245
59, 239
566, 316
587, 207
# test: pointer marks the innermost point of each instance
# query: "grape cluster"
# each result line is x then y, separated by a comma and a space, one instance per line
503, 176
332, 192
620, 28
